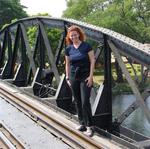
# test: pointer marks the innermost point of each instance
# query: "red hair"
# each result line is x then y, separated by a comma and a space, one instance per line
78, 30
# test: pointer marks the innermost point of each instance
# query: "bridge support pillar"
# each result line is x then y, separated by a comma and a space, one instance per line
103, 110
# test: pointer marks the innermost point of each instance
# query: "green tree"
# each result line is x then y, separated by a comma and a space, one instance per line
134, 18
128, 17
9, 10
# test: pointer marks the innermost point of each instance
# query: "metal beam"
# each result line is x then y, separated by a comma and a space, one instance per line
30, 55
119, 119
49, 52
132, 84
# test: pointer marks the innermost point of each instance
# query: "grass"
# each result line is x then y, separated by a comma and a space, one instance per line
119, 88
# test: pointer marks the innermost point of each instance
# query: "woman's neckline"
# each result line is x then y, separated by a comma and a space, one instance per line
76, 46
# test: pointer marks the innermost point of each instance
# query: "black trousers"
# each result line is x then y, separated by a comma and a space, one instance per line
81, 93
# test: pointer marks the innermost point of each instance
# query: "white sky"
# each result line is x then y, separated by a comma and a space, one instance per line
52, 7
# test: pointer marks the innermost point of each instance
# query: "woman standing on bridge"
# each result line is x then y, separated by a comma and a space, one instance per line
80, 63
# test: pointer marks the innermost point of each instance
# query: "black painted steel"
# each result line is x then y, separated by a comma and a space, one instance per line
25, 64
128, 46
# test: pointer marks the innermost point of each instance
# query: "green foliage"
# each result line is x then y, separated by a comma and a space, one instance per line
9, 10
31, 33
42, 14
53, 36
120, 88
128, 17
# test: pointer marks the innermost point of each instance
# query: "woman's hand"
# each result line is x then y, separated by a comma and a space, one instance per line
89, 81
68, 82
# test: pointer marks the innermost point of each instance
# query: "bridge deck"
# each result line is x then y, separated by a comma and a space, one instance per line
32, 135
26, 130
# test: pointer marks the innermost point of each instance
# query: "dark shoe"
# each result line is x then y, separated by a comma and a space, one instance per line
89, 132
81, 128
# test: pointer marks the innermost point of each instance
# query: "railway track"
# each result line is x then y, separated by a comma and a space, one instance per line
52, 120
8, 140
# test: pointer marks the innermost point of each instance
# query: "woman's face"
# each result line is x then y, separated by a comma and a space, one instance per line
74, 36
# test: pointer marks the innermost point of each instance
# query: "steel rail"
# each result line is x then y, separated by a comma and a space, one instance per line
8, 140
3, 144
51, 118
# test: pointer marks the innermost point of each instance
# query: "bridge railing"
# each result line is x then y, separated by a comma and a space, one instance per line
36, 67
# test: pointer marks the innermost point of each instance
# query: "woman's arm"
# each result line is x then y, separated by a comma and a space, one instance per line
92, 66
67, 68
92, 62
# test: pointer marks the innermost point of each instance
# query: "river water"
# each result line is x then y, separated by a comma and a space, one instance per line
137, 120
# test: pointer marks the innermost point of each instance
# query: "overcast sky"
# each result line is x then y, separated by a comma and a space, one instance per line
53, 7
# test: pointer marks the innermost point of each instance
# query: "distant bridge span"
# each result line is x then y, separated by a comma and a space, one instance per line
34, 65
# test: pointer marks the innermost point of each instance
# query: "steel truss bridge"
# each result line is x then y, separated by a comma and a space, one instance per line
37, 67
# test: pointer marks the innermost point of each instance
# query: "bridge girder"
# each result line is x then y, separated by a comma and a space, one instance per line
14, 40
